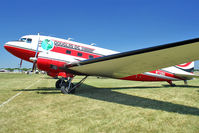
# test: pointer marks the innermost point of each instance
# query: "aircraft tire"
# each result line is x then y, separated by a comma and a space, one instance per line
173, 85
58, 83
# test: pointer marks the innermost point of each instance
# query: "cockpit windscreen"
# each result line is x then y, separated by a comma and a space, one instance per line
27, 40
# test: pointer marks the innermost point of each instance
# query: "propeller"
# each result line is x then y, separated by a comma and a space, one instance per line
34, 59
20, 64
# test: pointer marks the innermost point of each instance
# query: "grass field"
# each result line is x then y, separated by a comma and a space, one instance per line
99, 105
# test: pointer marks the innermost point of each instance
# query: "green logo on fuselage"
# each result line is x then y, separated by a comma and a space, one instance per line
47, 44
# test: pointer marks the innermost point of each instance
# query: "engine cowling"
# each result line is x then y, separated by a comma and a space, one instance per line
53, 63
52, 67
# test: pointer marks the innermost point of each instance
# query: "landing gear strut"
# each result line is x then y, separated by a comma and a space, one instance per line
185, 82
171, 84
69, 88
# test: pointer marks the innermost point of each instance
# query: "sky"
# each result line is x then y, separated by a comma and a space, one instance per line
120, 25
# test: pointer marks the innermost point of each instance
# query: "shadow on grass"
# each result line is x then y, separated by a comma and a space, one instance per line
187, 86
49, 92
130, 87
43, 90
39, 89
108, 95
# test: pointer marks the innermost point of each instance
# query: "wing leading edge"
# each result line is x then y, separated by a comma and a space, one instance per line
139, 61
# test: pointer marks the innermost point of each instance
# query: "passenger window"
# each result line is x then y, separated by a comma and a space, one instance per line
29, 40
79, 54
68, 51
90, 57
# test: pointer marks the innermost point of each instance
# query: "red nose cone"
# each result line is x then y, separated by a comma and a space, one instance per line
19, 52
8, 48
5, 46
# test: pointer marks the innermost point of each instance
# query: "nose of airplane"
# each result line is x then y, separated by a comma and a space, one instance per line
12, 48
8, 46
19, 50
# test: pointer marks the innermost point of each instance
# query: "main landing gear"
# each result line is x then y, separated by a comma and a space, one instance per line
171, 83
68, 87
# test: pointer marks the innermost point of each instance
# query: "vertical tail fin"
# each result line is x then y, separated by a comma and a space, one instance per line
188, 67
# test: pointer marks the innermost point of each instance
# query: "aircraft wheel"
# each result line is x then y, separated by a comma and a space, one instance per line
66, 90
59, 83
173, 85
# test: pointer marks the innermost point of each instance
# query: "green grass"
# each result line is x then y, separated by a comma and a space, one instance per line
99, 105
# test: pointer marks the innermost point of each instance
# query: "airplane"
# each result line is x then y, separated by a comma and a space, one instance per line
63, 59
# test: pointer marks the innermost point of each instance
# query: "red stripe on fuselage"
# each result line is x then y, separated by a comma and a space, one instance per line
74, 53
164, 73
25, 54
143, 77
72, 44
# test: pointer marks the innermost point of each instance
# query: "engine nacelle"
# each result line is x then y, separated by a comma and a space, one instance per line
52, 67
53, 63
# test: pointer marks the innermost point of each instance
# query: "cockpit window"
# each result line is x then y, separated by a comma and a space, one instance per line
28, 40
22, 39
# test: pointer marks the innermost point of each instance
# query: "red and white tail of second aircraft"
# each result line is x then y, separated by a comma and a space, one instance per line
64, 59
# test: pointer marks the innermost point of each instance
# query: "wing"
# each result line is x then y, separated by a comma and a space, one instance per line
138, 61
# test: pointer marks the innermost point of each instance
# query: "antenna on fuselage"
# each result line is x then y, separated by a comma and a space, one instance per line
92, 44
69, 39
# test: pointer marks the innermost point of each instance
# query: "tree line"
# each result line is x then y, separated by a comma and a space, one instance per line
12, 69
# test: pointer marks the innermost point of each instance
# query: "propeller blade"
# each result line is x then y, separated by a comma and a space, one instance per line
34, 66
37, 46
36, 55
20, 63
